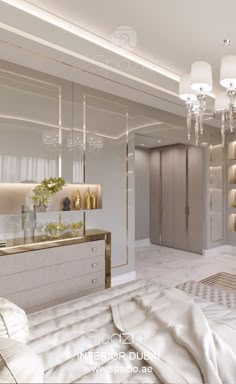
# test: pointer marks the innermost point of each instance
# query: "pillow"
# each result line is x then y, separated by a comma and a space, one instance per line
13, 321
19, 363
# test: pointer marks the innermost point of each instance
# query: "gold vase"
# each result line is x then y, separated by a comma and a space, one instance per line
77, 201
93, 201
88, 199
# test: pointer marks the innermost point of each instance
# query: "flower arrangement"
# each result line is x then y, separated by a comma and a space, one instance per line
55, 229
44, 191
77, 228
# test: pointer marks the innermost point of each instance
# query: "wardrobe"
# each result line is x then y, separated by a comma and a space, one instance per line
176, 197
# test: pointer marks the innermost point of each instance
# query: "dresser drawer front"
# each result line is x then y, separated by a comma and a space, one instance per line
23, 281
51, 256
45, 296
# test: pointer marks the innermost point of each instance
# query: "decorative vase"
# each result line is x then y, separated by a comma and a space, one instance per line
28, 217
40, 208
93, 201
88, 199
77, 201
28, 222
77, 232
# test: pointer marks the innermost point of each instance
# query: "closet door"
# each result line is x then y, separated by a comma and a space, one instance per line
155, 196
168, 197
180, 188
195, 185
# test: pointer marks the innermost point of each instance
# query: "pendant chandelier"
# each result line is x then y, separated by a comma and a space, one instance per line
194, 87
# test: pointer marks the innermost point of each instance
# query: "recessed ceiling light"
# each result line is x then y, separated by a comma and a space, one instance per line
226, 42
158, 141
142, 145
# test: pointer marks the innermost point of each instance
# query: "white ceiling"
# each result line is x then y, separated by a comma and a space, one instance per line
78, 40
147, 142
170, 33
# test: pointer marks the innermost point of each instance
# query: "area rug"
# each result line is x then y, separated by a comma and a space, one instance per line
222, 280
219, 289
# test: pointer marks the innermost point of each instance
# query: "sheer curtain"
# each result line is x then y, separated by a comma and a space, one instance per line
26, 169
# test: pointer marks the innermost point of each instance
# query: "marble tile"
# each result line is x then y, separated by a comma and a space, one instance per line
171, 266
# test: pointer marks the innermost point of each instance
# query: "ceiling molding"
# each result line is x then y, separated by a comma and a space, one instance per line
67, 26
40, 40
78, 56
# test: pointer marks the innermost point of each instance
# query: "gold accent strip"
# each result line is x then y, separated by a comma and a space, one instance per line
160, 199
84, 222
84, 139
187, 198
84, 152
108, 260
127, 188
211, 180
60, 133
19, 245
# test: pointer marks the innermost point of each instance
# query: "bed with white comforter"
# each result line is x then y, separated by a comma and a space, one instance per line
139, 332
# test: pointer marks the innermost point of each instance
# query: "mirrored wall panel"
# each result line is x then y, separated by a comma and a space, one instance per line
29, 129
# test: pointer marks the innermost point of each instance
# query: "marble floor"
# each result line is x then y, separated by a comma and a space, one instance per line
171, 267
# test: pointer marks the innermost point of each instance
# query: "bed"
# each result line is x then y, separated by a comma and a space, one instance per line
90, 340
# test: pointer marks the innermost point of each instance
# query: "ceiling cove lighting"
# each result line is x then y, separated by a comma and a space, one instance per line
194, 87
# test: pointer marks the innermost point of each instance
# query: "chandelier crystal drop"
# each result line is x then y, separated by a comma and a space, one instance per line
94, 142
74, 140
50, 138
193, 90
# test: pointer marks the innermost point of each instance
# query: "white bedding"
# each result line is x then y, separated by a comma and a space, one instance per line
170, 329
67, 337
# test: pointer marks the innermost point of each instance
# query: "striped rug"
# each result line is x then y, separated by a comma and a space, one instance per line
223, 280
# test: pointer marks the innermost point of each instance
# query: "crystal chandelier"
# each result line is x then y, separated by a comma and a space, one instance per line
74, 140
194, 87
50, 138
94, 142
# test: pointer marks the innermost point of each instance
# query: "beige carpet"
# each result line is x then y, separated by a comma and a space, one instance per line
223, 280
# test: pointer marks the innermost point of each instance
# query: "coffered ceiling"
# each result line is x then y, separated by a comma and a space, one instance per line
136, 49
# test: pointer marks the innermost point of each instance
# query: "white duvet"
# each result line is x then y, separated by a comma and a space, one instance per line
172, 334
76, 340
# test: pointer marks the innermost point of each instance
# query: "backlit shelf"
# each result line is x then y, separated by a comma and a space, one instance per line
14, 195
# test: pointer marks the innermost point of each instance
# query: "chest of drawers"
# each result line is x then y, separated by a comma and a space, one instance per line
44, 277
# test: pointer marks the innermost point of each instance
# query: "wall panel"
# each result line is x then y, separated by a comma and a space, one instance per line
180, 202
167, 197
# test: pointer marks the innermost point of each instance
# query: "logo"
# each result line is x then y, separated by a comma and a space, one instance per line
125, 37
121, 338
